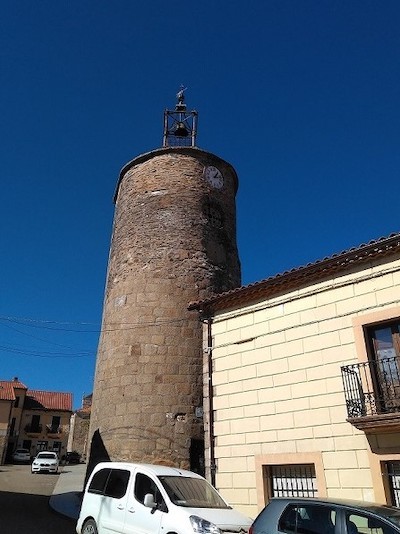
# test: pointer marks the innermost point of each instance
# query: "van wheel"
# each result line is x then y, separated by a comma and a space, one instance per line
89, 527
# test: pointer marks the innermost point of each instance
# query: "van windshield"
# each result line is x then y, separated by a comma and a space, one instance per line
192, 492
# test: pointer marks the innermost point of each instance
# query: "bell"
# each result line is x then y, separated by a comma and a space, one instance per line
181, 130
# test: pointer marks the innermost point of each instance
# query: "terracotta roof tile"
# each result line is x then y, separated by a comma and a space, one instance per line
318, 270
6, 390
17, 384
48, 400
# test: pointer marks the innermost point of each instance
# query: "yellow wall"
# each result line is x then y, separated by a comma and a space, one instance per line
4, 414
278, 392
5, 408
45, 419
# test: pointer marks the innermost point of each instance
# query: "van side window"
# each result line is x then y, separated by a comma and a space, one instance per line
99, 480
145, 485
117, 483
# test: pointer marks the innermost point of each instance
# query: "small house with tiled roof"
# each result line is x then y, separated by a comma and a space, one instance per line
302, 381
12, 397
33, 419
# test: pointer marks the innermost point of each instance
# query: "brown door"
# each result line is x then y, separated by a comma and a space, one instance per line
385, 347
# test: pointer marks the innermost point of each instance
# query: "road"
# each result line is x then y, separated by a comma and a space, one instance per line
24, 503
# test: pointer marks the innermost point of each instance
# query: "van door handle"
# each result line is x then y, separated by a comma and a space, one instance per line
131, 510
120, 507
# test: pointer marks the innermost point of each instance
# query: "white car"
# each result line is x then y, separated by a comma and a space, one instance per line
154, 499
45, 461
21, 456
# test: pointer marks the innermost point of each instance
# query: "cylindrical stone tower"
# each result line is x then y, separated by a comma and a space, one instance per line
173, 242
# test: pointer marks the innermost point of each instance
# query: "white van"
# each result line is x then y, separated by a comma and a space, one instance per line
154, 499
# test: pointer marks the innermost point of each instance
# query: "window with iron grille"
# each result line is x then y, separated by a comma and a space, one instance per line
392, 472
292, 480
214, 214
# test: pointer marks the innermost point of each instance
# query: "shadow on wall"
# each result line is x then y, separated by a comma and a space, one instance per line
98, 453
384, 443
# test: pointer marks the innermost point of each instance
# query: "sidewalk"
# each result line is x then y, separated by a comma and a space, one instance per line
67, 492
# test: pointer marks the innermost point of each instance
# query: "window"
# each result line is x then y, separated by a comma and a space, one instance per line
117, 483
110, 482
57, 446
192, 492
16, 402
99, 480
55, 423
308, 519
297, 480
384, 351
143, 486
214, 215
391, 470
35, 424
360, 524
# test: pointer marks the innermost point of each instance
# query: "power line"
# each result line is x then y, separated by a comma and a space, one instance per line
37, 338
43, 324
42, 354
52, 325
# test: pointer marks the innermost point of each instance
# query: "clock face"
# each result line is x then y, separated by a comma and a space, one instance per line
214, 177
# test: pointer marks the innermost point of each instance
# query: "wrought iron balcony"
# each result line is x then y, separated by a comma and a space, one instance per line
372, 393
53, 429
33, 429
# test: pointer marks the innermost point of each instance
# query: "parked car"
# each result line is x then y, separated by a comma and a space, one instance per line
73, 457
326, 516
45, 461
154, 499
21, 456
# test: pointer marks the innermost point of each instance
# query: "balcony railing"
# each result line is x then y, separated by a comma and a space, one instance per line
372, 388
33, 429
53, 429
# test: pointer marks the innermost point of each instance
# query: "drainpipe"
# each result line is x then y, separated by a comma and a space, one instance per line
213, 467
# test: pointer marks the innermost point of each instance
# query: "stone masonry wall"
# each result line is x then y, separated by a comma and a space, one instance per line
3, 446
80, 436
165, 252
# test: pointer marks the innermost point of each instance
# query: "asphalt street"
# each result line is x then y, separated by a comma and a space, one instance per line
24, 503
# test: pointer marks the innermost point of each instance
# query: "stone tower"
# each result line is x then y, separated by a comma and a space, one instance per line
173, 242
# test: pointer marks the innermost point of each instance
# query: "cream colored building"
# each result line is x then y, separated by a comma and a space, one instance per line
45, 422
304, 368
32, 419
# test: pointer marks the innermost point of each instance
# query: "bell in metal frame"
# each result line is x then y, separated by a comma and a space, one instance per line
180, 125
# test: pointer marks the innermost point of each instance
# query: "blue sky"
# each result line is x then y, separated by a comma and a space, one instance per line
300, 96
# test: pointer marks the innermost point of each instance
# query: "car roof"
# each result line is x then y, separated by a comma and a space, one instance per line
349, 503
158, 470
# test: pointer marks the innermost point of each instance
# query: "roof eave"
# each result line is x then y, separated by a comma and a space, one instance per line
295, 278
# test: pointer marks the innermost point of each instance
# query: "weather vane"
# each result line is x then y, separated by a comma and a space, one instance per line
180, 95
